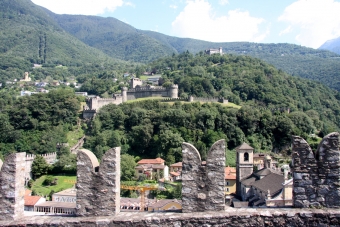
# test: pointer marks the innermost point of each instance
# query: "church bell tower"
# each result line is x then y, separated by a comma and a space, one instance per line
244, 164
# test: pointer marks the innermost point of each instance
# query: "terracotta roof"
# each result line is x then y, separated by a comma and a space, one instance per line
175, 173
244, 146
178, 164
151, 161
150, 166
31, 200
230, 173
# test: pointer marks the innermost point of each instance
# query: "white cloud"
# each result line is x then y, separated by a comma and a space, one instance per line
316, 20
198, 21
223, 2
286, 31
85, 7
173, 6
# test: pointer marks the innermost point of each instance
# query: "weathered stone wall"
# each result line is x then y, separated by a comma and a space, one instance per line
203, 186
316, 176
12, 190
98, 186
232, 217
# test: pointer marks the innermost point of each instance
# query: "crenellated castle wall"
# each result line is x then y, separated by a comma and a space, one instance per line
316, 176
203, 185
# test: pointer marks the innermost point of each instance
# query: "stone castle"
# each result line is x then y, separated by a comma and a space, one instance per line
316, 178
135, 92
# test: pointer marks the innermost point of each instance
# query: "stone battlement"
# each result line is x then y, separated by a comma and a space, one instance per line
147, 89
230, 217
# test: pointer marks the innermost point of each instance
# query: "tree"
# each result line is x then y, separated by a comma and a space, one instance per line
127, 167
39, 167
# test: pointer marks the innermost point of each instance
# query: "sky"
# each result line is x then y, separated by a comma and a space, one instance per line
304, 22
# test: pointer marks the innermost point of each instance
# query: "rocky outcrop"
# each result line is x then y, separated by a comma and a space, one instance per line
316, 176
98, 186
203, 185
12, 190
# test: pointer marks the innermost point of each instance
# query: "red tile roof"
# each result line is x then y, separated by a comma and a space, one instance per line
31, 200
230, 173
151, 161
175, 173
178, 164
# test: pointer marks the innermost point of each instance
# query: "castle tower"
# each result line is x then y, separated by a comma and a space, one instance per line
244, 164
173, 91
124, 94
220, 50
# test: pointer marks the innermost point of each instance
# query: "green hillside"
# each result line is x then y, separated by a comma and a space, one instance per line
28, 35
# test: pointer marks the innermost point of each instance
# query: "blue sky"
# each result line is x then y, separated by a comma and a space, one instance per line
303, 22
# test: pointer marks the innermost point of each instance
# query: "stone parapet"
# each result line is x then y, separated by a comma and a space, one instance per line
230, 217
98, 186
12, 190
316, 176
203, 185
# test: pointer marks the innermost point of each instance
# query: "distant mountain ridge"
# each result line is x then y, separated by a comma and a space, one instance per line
32, 34
121, 40
331, 45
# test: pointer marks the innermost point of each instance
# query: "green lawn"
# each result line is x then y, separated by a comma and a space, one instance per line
64, 182
74, 136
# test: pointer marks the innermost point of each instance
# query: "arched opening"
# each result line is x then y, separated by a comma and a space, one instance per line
246, 157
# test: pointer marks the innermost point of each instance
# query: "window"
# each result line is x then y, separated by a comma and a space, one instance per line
227, 183
246, 157
140, 171
227, 189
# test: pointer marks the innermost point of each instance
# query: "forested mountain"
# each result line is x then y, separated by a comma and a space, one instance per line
114, 37
332, 45
29, 35
152, 128
120, 40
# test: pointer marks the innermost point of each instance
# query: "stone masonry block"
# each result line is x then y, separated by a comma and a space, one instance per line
12, 190
98, 186
323, 169
201, 184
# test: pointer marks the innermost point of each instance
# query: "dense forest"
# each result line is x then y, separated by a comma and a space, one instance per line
36, 124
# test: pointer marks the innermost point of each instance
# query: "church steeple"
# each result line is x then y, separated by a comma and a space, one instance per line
244, 164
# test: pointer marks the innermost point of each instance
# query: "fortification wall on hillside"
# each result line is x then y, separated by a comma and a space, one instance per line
50, 159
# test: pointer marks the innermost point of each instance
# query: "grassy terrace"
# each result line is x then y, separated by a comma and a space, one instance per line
63, 182
230, 104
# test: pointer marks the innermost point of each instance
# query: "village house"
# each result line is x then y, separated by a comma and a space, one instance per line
152, 168
31, 201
